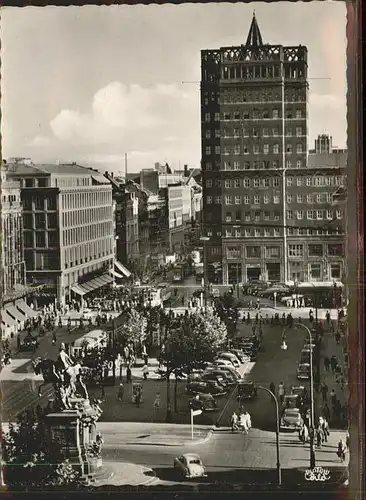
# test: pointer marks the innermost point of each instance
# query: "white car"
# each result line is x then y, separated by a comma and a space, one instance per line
189, 465
291, 419
230, 357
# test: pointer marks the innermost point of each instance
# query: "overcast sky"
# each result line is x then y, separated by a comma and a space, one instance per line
90, 83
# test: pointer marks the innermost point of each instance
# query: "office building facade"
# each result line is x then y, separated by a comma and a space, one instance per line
254, 109
69, 241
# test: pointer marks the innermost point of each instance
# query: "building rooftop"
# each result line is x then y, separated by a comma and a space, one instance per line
48, 169
338, 160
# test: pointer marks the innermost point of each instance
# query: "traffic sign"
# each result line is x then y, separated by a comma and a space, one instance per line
196, 412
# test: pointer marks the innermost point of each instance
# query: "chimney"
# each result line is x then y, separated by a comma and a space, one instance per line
106, 174
185, 170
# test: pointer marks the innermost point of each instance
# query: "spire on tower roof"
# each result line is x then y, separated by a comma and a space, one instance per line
254, 36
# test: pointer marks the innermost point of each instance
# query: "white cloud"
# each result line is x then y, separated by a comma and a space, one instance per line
118, 110
39, 141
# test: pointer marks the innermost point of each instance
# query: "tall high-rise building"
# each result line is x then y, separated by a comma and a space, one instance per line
254, 111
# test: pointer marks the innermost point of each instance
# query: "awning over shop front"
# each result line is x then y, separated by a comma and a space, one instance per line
26, 310
7, 320
94, 284
13, 311
122, 268
117, 275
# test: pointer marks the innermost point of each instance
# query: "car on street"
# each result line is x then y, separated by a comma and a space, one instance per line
228, 377
204, 402
29, 343
205, 387
223, 361
240, 354
233, 371
305, 356
299, 390
290, 401
246, 390
177, 278
189, 466
303, 371
219, 378
291, 419
231, 357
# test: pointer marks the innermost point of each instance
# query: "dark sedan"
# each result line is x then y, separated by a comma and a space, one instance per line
30, 343
246, 390
228, 377
204, 402
208, 387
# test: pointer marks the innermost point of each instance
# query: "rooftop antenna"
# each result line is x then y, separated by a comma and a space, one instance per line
125, 168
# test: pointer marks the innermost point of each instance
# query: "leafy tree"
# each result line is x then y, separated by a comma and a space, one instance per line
190, 342
133, 330
30, 461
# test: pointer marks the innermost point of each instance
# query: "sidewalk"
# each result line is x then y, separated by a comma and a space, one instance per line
117, 434
296, 312
330, 348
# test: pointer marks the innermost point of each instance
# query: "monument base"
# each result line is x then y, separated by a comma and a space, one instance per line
74, 429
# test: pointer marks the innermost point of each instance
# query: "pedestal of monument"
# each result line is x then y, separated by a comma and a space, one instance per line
73, 430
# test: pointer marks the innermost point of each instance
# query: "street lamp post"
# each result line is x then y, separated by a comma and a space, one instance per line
278, 464
205, 239
312, 418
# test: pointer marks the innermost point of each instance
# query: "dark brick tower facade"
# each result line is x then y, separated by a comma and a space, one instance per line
254, 110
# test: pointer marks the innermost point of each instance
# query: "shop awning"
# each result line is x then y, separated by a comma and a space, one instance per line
94, 284
122, 268
26, 310
13, 311
7, 320
77, 289
117, 275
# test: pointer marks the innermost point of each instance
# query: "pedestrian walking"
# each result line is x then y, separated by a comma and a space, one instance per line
272, 388
128, 375
324, 391
319, 437
333, 397
326, 363
54, 338
325, 427
341, 452
337, 337
327, 316
333, 363
326, 412
120, 393
146, 359
145, 371
138, 397
281, 392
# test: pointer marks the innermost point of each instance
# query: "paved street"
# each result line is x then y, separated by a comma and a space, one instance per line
225, 454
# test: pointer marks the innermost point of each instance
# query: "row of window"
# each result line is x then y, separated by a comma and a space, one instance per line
87, 216
313, 250
244, 165
79, 254
238, 232
250, 96
83, 200
86, 233
254, 114
256, 149
39, 221
254, 132
276, 200
290, 214
266, 182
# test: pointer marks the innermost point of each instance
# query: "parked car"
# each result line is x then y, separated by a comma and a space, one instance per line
223, 361
231, 357
208, 376
278, 289
204, 402
291, 419
205, 387
246, 390
228, 377
305, 356
240, 354
177, 278
303, 371
234, 372
189, 465
29, 343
